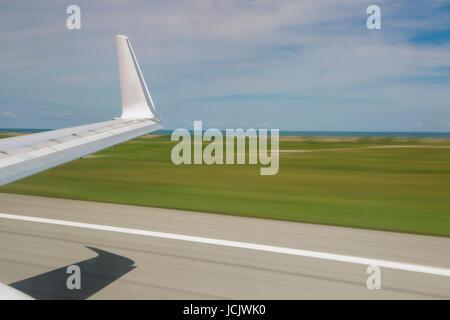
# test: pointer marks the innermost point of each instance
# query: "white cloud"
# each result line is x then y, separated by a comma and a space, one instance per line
198, 48
7, 114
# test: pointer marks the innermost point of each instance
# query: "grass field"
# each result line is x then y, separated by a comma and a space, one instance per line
378, 183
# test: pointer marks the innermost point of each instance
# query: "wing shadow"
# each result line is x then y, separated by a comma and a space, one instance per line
96, 273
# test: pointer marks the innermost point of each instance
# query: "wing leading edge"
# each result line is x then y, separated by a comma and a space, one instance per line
26, 155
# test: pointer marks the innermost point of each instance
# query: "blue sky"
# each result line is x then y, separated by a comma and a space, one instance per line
292, 65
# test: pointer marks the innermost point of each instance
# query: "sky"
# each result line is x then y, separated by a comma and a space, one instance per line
288, 64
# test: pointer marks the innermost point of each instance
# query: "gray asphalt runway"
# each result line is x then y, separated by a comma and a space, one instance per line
178, 269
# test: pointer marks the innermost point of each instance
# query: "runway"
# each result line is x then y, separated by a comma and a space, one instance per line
151, 253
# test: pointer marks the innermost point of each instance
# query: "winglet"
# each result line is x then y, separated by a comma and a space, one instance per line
136, 100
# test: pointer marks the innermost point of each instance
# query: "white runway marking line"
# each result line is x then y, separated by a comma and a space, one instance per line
243, 245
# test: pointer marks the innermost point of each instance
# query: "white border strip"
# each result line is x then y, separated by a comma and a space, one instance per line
243, 245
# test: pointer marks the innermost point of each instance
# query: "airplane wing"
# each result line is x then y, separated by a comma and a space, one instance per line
26, 155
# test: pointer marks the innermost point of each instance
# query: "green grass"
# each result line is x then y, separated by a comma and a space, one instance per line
342, 182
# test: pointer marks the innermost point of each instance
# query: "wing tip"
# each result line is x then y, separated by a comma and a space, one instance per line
121, 36
136, 100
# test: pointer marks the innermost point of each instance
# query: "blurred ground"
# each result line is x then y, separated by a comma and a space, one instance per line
396, 184
34, 253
